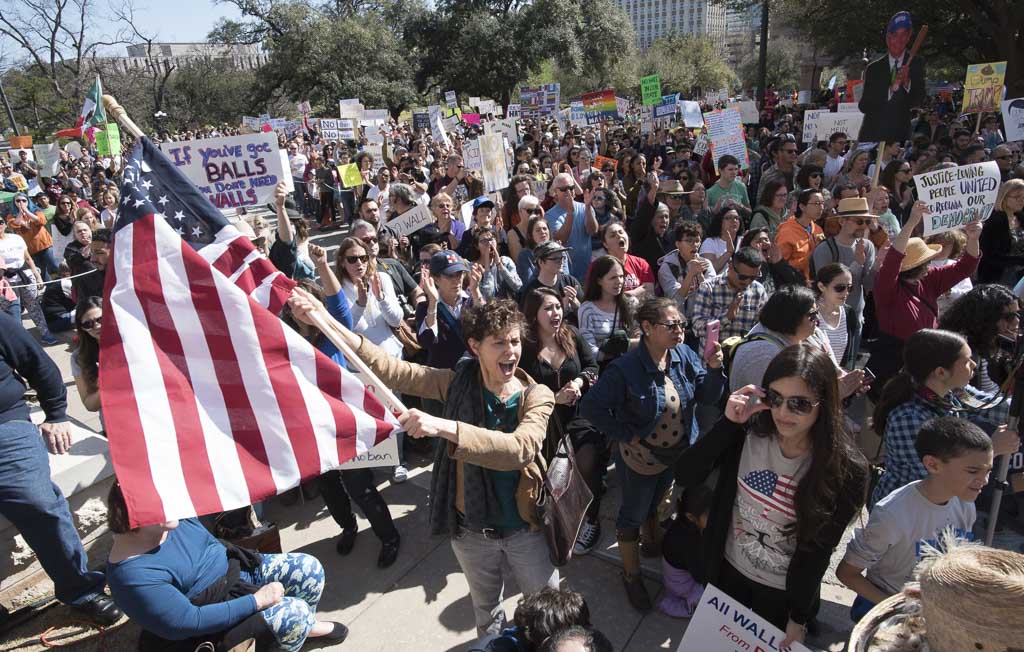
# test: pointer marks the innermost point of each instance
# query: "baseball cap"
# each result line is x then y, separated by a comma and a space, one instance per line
900, 20
446, 263
547, 249
482, 200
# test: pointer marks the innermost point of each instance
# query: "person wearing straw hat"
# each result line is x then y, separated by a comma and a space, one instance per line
907, 290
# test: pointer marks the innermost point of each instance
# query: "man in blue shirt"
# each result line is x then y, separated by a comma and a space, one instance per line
572, 223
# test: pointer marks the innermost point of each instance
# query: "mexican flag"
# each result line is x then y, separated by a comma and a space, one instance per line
92, 115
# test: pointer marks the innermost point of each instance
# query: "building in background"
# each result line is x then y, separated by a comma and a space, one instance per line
174, 55
653, 19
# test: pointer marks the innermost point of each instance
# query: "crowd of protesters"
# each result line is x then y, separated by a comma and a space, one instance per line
723, 331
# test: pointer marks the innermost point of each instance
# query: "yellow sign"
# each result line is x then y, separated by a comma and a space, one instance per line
350, 175
983, 89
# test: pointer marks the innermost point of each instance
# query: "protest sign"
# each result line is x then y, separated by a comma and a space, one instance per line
108, 140
433, 110
331, 129
474, 101
691, 114
577, 116
958, 195
376, 115
251, 122
621, 105
486, 106
748, 111
289, 181
811, 124
48, 158
471, 157
304, 107
722, 624
18, 179
847, 107
803, 97
351, 111
471, 118
74, 149
376, 150
650, 89
723, 95
725, 131
599, 105
667, 107
539, 100
437, 130
420, 121
832, 123
384, 453
466, 213
506, 127
350, 175
232, 171
451, 99
1013, 118
450, 123
513, 110
20, 142
411, 220
983, 88
492, 152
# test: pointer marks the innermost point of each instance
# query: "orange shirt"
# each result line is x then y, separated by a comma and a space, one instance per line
33, 232
797, 245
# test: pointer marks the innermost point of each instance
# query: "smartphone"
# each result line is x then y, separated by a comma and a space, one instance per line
868, 377
711, 338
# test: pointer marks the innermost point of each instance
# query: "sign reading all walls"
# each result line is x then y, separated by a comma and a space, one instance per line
232, 171
722, 624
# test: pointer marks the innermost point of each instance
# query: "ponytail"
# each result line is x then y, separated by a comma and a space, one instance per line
897, 391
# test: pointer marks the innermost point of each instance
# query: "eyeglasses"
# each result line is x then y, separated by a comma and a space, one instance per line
20, 201
800, 405
673, 326
814, 175
861, 221
533, 211
748, 277
815, 203
370, 239
842, 287
89, 324
565, 189
782, 194
352, 260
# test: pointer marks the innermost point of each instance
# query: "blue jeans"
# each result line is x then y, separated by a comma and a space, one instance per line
303, 578
860, 608
36, 506
47, 262
641, 494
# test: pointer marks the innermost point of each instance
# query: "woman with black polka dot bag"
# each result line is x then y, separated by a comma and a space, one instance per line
644, 403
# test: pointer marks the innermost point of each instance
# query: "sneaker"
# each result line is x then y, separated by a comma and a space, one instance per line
589, 535
49, 340
401, 474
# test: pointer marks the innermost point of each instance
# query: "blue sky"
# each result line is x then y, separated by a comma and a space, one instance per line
181, 20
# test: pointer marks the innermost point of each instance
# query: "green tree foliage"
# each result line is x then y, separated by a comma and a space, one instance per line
783, 67
687, 64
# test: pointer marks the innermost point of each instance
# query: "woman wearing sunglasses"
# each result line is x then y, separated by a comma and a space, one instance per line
645, 403
790, 480
85, 360
375, 308
835, 318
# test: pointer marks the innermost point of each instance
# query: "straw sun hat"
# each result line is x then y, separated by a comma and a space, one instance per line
971, 599
918, 253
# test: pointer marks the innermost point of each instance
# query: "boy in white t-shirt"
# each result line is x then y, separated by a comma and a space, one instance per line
958, 457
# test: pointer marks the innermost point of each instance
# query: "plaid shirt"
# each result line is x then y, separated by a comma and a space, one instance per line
713, 300
902, 465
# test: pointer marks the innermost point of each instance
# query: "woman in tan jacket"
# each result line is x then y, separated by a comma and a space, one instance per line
488, 474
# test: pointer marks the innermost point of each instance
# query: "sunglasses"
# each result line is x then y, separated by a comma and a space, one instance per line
673, 326
842, 287
800, 405
814, 175
859, 221
89, 324
533, 211
370, 239
748, 277
352, 260
20, 201
565, 189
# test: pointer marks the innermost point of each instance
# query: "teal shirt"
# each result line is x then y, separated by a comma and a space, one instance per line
504, 416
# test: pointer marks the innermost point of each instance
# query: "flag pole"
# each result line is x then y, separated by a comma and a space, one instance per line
330, 330
117, 111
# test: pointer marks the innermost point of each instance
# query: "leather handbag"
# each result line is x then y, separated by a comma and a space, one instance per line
564, 502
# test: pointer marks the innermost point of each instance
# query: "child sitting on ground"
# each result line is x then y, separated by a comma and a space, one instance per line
958, 457
682, 569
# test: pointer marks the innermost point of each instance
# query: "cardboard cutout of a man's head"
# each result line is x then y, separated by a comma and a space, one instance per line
897, 34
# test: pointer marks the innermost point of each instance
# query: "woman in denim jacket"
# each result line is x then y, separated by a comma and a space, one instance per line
650, 422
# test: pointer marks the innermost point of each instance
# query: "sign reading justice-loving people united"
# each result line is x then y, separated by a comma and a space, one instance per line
957, 196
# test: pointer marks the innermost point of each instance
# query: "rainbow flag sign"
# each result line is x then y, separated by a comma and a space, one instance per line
599, 105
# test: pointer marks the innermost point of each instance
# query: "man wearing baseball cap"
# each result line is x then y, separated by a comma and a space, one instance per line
438, 329
550, 257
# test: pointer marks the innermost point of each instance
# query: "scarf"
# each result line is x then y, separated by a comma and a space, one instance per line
63, 226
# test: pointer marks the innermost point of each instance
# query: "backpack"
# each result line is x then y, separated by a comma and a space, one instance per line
731, 344
833, 249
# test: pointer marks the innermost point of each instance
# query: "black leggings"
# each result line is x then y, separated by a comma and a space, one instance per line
767, 602
337, 486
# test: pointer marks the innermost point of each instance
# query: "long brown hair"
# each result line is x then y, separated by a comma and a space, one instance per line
835, 459
531, 307
347, 245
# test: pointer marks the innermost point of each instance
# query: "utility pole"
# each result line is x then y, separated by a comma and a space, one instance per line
7, 105
762, 61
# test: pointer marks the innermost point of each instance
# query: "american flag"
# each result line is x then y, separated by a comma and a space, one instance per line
211, 402
775, 492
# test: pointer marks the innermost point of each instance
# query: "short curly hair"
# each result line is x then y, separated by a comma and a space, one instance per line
492, 318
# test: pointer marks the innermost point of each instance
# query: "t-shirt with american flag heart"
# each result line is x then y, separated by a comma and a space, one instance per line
764, 508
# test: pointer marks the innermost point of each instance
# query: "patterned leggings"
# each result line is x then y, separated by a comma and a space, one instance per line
303, 577
27, 298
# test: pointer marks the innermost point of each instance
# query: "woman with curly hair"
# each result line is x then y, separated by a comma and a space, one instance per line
988, 317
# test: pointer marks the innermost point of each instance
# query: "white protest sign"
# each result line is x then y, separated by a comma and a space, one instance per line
474, 101
232, 171
411, 220
437, 130
622, 106
351, 110
722, 624
289, 180
723, 94
700, 144
376, 115
471, 156
495, 172
384, 453
377, 151
514, 110
450, 123
434, 109
725, 130
803, 97
958, 195
748, 111
577, 116
74, 149
486, 106
304, 107
331, 129
451, 99
466, 213
847, 107
506, 127
691, 114
833, 123
15, 154
1013, 118
48, 157
251, 122
811, 123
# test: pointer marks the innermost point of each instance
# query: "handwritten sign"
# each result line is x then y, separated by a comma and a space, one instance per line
384, 453
48, 158
722, 624
350, 175
983, 88
811, 124
108, 140
514, 110
411, 220
691, 114
495, 170
232, 171
958, 195
471, 156
599, 105
506, 127
650, 89
577, 116
725, 130
667, 107
451, 99
748, 111
847, 107
485, 107
1013, 118
833, 123
437, 130
803, 97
